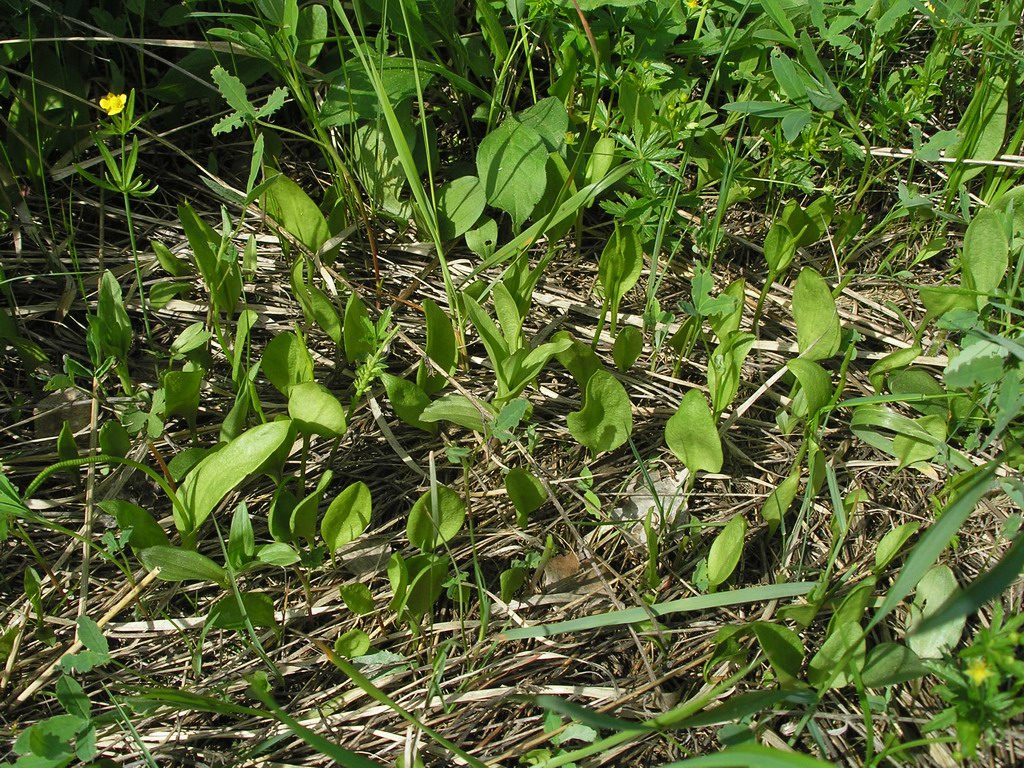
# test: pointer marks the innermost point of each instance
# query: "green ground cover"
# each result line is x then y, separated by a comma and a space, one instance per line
512, 383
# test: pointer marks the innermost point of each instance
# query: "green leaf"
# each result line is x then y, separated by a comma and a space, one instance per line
751, 756
606, 420
815, 389
221, 276
526, 492
687, 604
986, 252
302, 521
511, 164
783, 648
67, 449
981, 362
226, 613
279, 553
549, 119
458, 410
287, 362
218, 473
174, 266
894, 361
409, 401
725, 369
523, 366
921, 445
351, 644
316, 411
619, 267
890, 664
628, 345
818, 330
241, 537
492, 338
692, 435
357, 597
358, 330
578, 358
233, 91
347, 516
146, 532
181, 393
114, 326
297, 214
779, 248
433, 522
177, 564
441, 347
726, 549
460, 203
780, 500
893, 542
426, 574
936, 587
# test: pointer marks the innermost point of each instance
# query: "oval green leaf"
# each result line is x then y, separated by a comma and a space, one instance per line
347, 516
818, 331
431, 525
606, 420
316, 411
726, 550
692, 435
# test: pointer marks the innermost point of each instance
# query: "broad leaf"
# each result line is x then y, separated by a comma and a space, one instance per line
726, 549
692, 435
606, 420
178, 564
347, 516
430, 525
510, 162
287, 362
316, 411
218, 474
817, 319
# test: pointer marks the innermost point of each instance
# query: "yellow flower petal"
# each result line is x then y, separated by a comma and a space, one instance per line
113, 104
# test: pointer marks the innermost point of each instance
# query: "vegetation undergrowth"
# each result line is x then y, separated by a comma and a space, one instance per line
524, 383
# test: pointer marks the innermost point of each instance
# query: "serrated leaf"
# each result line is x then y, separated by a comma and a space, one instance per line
233, 91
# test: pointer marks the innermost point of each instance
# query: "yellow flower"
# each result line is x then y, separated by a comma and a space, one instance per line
693, 5
978, 671
113, 104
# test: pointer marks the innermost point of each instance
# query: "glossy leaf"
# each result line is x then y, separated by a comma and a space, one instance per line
441, 348
780, 500
619, 267
408, 401
629, 343
526, 492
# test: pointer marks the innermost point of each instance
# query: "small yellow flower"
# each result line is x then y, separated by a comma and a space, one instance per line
978, 671
693, 5
113, 104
